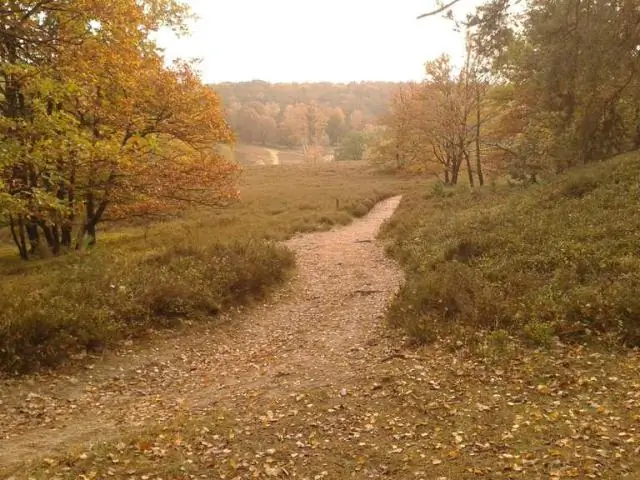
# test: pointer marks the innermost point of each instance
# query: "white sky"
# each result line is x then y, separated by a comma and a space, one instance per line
320, 40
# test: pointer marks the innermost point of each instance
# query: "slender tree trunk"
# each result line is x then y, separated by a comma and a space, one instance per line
21, 236
90, 225
469, 169
34, 236
18, 239
47, 235
55, 234
455, 170
478, 127
447, 180
66, 235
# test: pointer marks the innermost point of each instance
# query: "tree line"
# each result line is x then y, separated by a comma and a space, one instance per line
544, 86
93, 125
307, 116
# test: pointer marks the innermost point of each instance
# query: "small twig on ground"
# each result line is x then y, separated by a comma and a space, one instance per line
402, 356
367, 292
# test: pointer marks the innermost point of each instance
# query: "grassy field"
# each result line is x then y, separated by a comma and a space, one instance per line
256, 155
156, 275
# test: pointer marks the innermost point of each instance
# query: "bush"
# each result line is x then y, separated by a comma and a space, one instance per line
93, 302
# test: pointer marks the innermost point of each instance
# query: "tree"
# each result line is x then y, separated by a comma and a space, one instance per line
574, 68
436, 123
295, 125
336, 125
352, 147
271, 100
93, 125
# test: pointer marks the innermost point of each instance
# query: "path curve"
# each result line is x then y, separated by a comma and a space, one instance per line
275, 156
318, 332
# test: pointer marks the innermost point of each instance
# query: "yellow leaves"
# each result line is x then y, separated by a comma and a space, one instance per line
454, 454
543, 389
570, 472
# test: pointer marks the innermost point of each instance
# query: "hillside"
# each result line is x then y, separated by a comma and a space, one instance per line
546, 263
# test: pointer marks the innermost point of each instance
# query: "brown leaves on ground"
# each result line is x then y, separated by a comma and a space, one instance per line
563, 414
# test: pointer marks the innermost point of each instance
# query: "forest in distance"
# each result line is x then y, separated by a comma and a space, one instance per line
337, 118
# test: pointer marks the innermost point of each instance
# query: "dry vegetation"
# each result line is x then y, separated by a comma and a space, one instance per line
481, 400
547, 262
535, 416
157, 274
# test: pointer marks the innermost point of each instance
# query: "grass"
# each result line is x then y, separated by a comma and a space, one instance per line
544, 263
156, 275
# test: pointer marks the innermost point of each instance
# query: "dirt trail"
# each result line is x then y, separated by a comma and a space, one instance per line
275, 156
318, 333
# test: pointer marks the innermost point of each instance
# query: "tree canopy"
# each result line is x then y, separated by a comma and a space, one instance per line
554, 84
274, 114
93, 125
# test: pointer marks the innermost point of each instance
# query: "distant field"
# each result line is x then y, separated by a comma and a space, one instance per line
258, 155
157, 274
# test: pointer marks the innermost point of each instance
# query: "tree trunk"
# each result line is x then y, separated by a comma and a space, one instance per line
478, 127
90, 230
455, 171
18, 237
66, 232
34, 236
55, 234
21, 236
469, 170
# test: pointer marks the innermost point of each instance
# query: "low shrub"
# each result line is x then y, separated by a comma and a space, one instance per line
95, 301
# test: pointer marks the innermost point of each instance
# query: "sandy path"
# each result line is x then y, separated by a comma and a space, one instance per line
275, 157
317, 333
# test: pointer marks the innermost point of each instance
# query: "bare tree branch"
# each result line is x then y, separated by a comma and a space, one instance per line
437, 11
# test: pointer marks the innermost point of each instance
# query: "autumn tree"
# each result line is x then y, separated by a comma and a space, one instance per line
436, 125
572, 69
336, 125
249, 104
93, 124
352, 146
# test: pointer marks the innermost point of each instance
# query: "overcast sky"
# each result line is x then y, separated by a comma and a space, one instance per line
315, 40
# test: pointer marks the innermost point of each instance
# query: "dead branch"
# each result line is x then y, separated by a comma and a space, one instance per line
439, 10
